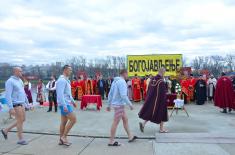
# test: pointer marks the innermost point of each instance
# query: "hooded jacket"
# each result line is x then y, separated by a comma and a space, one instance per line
118, 93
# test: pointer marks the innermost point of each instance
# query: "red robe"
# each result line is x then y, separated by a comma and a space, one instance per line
136, 86
185, 88
234, 89
80, 89
95, 89
74, 85
191, 88
224, 93
89, 87
83, 82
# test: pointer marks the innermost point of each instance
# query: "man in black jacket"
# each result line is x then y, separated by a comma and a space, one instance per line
101, 86
108, 84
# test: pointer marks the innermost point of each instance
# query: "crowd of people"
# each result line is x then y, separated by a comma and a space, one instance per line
41, 92
90, 86
137, 89
190, 88
119, 91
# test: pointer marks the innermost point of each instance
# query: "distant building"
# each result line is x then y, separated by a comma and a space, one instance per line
58, 64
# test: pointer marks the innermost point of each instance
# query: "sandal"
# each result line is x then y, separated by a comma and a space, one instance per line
64, 143
133, 139
115, 144
22, 142
141, 127
163, 131
67, 144
61, 142
4, 134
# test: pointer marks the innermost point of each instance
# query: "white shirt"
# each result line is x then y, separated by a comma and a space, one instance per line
49, 85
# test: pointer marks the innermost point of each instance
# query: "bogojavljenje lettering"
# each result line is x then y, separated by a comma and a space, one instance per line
153, 65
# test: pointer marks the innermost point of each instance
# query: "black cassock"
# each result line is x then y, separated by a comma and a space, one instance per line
200, 90
173, 84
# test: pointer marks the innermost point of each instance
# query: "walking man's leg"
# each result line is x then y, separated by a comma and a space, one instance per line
70, 123
113, 130
126, 126
63, 123
20, 118
10, 127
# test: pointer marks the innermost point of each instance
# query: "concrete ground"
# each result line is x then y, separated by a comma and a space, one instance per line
206, 131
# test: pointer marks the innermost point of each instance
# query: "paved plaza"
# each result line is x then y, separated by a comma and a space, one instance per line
206, 131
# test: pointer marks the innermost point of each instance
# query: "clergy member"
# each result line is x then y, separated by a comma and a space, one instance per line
89, 86
95, 88
191, 87
233, 78
136, 89
224, 94
211, 83
200, 91
129, 89
148, 81
185, 89
74, 88
80, 92
145, 87
233, 82
174, 84
155, 108
168, 85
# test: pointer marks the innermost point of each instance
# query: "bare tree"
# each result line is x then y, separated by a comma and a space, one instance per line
230, 59
214, 64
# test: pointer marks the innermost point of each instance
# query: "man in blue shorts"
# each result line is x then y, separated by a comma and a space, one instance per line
66, 104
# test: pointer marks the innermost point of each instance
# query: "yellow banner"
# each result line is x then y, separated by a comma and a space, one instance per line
149, 64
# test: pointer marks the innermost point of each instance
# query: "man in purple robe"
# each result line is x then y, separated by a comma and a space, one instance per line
155, 107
